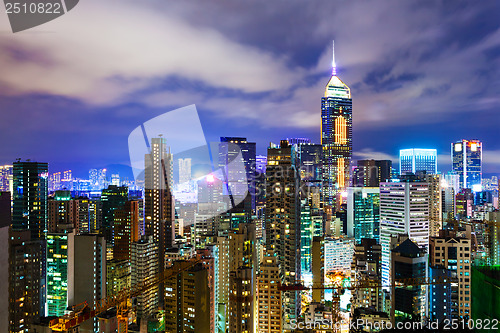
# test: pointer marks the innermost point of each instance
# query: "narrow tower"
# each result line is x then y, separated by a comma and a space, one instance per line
336, 138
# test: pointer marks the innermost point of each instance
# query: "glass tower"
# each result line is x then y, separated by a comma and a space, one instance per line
363, 213
415, 159
466, 157
57, 274
336, 137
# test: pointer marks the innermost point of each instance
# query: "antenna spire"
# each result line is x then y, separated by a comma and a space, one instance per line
334, 66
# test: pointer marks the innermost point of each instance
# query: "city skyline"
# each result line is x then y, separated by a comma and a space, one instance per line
248, 78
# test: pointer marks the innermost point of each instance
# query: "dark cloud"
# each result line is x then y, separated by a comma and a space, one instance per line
420, 72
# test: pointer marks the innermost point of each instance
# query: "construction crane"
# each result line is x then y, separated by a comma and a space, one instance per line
84, 311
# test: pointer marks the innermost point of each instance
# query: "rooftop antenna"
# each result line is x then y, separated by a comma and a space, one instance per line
334, 66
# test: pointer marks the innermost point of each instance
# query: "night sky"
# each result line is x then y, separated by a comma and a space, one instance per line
422, 74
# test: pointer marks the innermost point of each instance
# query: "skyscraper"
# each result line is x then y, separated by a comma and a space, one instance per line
415, 159
159, 206
184, 170
404, 209
57, 273
283, 221
466, 159
30, 198
336, 137
229, 148
370, 173
363, 213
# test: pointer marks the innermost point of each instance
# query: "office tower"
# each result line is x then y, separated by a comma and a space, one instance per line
435, 204
363, 213
241, 301
189, 300
229, 148
145, 268
25, 275
454, 253
86, 272
369, 173
118, 276
6, 178
126, 229
283, 221
339, 252
404, 209
408, 261
336, 138
449, 186
269, 307
318, 269
184, 170
486, 286
466, 161
112, 198
57, 274
30, 198
414, 160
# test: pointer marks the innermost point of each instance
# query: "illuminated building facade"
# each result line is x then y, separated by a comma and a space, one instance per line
57, 274
25, 294
363, 213
404, 209
283, 221
414, 160
369, 173
112, 198
336, 138
454, 254
466, 159
269, 297
126, 229
30, 198
118, 276
6, 178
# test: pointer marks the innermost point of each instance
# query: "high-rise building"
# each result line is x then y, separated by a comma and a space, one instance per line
404, 209
57, 274
363, 213
484, 299
454, 254
336, 138
30, 198
435, 203
126, 229
269, 297
145, 267
118, 276
370, 173
239, 186
241, 301
62, 212
466, 160
189, 300
408, 261
86, 272
159, 205
184, 170
339, 252
25, 276
112, 198
414, 160
283, 221
6, 180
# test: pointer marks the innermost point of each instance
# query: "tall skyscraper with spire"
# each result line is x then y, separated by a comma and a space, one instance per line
336, 138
